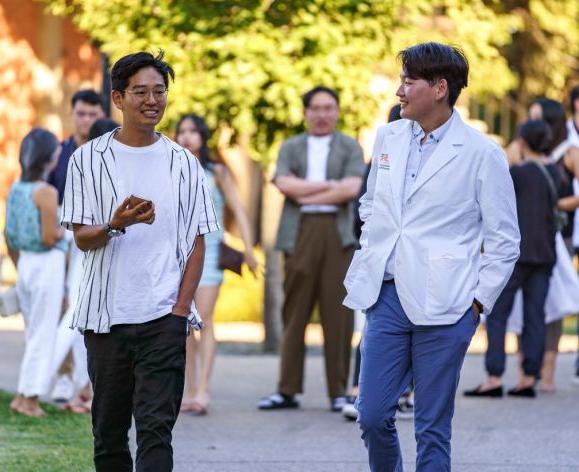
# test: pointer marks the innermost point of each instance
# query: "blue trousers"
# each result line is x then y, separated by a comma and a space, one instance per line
534, 280
394, 351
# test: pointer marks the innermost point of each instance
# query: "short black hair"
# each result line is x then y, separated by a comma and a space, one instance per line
100, 127
537, 134
129, 65
87, 96
434, 61
554, 114
573, 96
36, 151
394, 113
307, 97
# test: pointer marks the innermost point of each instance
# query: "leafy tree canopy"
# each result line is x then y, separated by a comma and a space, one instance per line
245, 64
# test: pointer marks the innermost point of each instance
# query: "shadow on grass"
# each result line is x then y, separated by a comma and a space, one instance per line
58, 442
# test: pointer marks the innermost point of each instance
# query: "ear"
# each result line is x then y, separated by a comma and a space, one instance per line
441, 89
117, 97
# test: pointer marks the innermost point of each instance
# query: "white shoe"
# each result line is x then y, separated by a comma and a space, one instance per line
63, 390
575, 380
349, 412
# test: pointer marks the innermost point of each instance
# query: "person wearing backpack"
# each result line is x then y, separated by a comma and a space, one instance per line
537, 183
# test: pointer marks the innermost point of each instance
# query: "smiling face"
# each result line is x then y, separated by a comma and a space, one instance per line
144, 100
418, 98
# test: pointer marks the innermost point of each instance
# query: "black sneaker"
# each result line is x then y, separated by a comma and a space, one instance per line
277, 401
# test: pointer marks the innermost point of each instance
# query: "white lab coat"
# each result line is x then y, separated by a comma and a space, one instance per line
463, 196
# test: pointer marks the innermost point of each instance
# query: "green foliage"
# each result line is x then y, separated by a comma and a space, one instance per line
544, 51
244, 64
62, 441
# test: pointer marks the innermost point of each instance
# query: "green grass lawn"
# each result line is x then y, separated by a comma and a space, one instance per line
59, 442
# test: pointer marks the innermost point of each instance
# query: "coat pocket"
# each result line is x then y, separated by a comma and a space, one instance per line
450, 277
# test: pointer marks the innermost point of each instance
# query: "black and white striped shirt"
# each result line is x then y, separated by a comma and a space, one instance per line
90, 198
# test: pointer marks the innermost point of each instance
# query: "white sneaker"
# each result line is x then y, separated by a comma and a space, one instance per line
63, 390
575, 380
349, 412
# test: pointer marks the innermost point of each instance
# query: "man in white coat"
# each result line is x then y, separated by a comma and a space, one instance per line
437, 191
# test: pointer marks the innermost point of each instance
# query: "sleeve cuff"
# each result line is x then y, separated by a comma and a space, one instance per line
68, 223
205, 228
487, 307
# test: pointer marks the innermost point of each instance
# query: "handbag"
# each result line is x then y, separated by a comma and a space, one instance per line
9, 304
229, 258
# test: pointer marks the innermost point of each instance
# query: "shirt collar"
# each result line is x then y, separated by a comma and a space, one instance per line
434, 136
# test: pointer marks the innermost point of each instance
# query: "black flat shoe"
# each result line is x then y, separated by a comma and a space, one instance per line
527, 392
496, 392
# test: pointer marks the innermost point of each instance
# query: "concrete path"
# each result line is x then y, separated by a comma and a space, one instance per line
508, 435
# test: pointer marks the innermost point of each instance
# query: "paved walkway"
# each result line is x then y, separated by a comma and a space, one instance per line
508, 435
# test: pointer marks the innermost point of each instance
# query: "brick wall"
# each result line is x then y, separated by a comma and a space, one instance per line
43, 61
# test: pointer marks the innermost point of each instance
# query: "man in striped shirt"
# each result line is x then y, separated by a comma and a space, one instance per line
139, 207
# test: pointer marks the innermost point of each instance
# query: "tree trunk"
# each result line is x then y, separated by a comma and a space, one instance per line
248, 177
272, 202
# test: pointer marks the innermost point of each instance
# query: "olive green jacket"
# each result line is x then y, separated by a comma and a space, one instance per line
344, 160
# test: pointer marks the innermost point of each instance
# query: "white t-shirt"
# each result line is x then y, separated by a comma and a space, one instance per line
147, 275
318, 152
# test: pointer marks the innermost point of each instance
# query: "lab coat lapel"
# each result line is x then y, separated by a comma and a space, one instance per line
396, 153
445, 152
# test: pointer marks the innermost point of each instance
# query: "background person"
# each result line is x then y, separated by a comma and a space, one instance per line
535, 180
37, 248
68, 338
193, 134
320, 174
563, 151
86, 108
